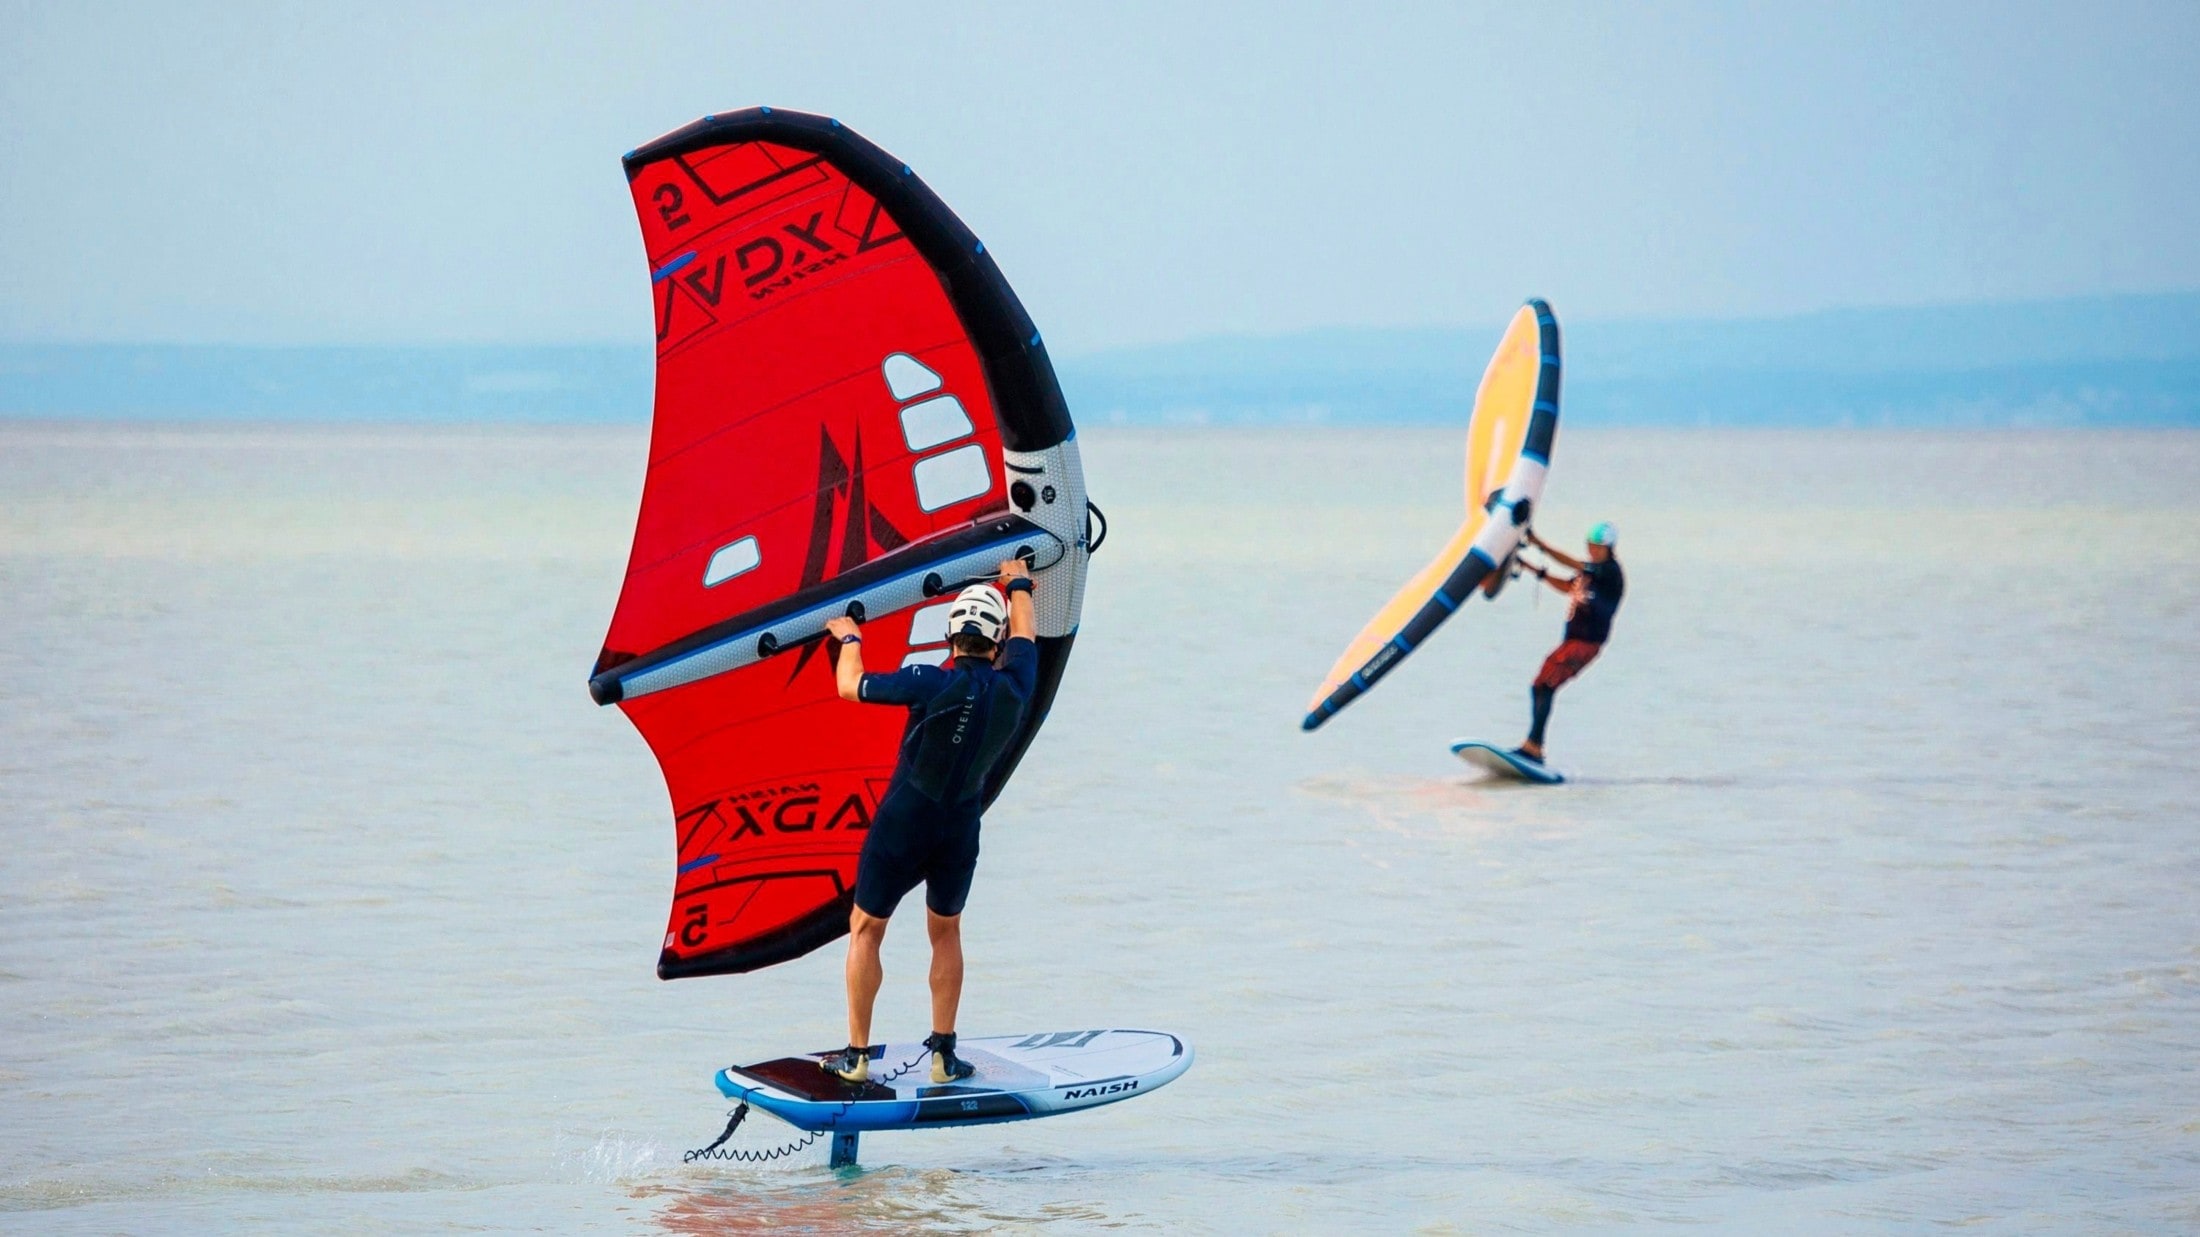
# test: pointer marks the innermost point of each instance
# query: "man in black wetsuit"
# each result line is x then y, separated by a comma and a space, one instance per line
1595, 589
962, 717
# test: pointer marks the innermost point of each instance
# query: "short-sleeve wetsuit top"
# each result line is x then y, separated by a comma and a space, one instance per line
1591, 621
962, 717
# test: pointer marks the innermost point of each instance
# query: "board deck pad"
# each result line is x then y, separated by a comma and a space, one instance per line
1502, 762
1018, 1077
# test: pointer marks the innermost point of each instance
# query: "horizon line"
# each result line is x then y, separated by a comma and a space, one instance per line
641, 341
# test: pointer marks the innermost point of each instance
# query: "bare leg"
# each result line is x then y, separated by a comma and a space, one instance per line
865, 934
947, 969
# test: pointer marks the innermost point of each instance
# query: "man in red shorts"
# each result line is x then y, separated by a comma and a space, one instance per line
1595, 589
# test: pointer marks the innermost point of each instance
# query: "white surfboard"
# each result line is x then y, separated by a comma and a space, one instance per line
1505, 763
1019, 1077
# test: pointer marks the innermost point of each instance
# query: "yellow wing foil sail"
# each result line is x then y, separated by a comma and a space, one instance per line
1508, 455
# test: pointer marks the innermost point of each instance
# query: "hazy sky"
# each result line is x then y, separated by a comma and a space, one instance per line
322, 172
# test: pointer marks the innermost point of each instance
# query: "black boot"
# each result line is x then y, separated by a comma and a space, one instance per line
946, 1066
850, 1064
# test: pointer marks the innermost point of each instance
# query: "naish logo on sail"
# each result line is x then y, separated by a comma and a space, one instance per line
761, 260
1087, 1093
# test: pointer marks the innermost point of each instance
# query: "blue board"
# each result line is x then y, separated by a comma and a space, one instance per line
1503, 762
1018, 1077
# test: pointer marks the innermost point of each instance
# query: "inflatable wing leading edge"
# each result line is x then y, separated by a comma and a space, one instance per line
854, 416
1508, 454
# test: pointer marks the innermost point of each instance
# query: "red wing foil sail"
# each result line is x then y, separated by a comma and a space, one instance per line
854, 415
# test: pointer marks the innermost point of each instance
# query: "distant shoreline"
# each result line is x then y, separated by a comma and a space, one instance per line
2128, 361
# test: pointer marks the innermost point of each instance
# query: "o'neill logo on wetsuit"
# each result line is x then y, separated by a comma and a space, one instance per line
1086, 1093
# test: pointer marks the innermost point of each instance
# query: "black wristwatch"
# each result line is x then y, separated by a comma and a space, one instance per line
1021, 584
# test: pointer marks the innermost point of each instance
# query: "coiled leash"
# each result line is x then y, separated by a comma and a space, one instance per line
718, 1150
715, 1150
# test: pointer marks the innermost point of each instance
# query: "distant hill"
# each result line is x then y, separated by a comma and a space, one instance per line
587, 383
2131, 360
2128, 360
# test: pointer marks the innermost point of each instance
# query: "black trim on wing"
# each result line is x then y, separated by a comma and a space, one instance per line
1543, 426
1027, 397
819, 928
829, 923
1053, 660
1028, 406
1464, 579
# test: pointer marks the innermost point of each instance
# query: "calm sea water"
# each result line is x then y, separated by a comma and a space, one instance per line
328, 902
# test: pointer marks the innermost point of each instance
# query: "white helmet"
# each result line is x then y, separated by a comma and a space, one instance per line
978, 611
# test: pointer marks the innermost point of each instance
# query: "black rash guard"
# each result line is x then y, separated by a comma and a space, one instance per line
962, 717
1591, 621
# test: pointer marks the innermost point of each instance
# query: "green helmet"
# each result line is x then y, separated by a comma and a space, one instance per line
1604, 535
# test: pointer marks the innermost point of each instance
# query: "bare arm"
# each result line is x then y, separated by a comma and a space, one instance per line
1557, 556
848, 669
1559, 584
1022, 619
1496, 579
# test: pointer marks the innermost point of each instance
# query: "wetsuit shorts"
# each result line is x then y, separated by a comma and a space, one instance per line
913, 841
1566, 661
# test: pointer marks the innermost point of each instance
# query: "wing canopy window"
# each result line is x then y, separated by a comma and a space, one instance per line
933, 422
952, 476
739, 558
